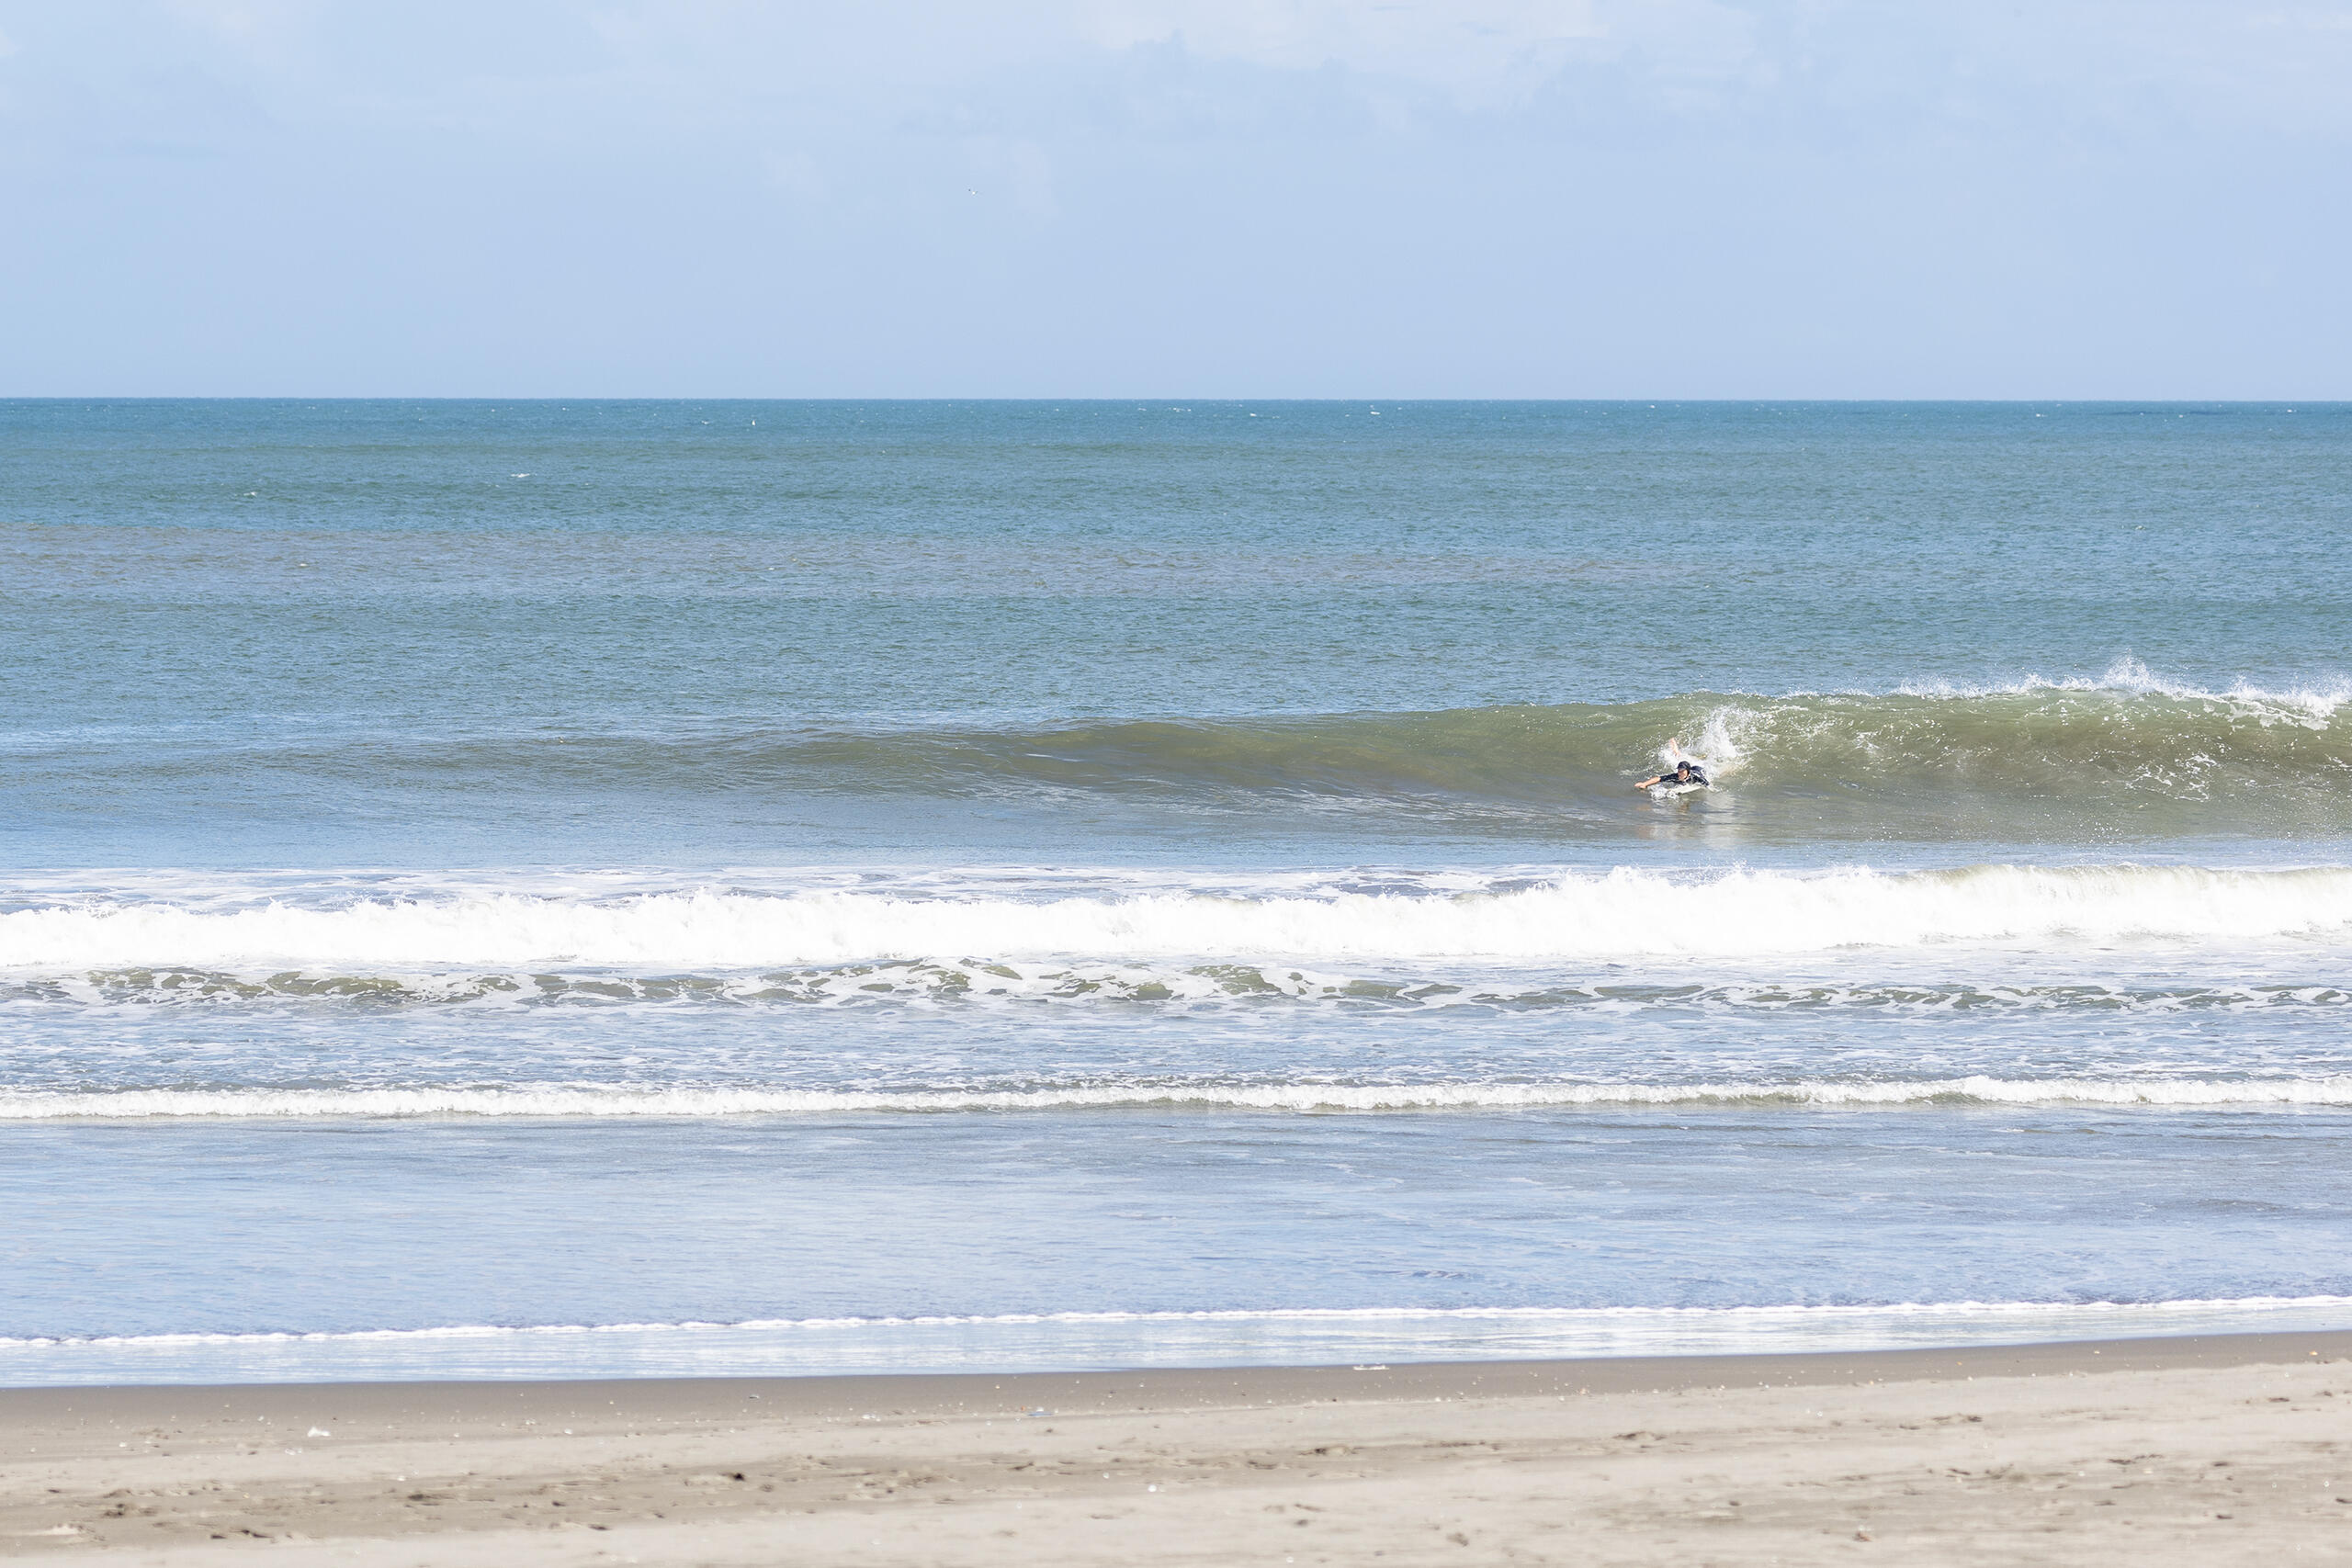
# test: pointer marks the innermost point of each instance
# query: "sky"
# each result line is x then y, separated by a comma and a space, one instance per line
1539, 198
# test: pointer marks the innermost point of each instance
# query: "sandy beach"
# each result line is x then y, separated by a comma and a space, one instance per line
2227, 1448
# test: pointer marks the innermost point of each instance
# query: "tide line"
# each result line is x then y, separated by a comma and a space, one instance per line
1758, 1316
594, 1101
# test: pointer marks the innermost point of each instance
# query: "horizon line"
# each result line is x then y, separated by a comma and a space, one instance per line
2287, 401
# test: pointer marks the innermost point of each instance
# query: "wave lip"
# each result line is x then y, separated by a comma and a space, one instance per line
574, 1101
1575, 916
2132, 677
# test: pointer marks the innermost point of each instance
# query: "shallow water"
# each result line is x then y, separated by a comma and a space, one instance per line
1007, 885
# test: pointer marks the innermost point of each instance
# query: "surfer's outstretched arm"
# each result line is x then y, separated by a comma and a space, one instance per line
1674, 754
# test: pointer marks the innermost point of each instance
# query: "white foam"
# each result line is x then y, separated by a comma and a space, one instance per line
1579, 916
2131, 677
575, 1101
1778, 1313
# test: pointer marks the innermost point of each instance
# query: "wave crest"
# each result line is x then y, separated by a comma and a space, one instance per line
2128, 743
2059, 760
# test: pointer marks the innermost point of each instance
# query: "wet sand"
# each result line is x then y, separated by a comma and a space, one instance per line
2216, 1450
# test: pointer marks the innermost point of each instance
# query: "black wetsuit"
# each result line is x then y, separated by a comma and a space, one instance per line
1697, 775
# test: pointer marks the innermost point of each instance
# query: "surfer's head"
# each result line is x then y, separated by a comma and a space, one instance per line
1682, 767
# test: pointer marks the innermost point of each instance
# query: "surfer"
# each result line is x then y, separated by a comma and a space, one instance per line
1686, 770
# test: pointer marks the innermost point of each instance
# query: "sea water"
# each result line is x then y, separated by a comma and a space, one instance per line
504, 889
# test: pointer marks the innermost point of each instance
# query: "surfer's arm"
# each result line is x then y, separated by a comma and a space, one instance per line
1646, 782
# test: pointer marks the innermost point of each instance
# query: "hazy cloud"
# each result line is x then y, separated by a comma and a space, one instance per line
1571, 196
1484, 51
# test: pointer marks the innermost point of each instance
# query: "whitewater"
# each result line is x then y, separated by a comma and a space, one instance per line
566, 1101
1571, 916
651, 888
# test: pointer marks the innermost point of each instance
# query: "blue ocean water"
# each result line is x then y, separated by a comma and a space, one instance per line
524, 889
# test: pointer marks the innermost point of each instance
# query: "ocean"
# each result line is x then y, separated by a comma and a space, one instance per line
522, 890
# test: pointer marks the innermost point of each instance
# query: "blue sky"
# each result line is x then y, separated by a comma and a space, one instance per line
1299, 197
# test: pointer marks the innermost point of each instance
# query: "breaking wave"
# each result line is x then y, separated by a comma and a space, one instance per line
1567, 918
934, 983
2127, 742
2127, 755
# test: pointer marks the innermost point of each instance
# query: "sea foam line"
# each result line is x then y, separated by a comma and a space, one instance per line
1623, 913
1759, 1316
575, 1101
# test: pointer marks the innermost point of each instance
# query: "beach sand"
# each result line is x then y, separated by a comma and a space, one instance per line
2219, 1449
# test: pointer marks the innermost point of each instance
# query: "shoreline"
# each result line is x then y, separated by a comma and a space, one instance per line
2238, 1445
831, 1394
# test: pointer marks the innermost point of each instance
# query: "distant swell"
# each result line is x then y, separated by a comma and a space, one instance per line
1305, 1098
1573, 917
